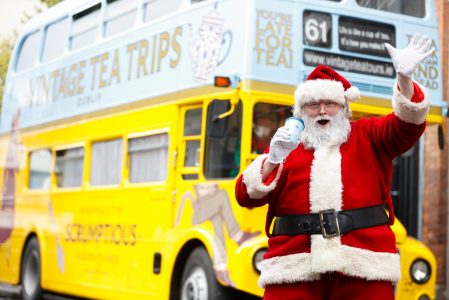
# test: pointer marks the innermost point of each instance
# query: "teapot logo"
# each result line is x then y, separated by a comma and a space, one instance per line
206, 49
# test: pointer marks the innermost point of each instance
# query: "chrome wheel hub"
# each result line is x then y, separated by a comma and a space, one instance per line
195, 287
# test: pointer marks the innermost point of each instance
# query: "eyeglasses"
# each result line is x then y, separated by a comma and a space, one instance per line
328, 105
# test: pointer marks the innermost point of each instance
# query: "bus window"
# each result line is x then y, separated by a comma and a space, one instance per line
222, 152
192, 129
267, 118
120, 15
69, 167
29, 52
40, 169
148, 158
404, 7
154, 9
106, 162
84, 27
55, 39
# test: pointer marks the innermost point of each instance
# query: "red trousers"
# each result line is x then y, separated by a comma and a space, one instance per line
332, 286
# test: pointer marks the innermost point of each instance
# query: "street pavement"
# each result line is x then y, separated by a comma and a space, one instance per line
8, 292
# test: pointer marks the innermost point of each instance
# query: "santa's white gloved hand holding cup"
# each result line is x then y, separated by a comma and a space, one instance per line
285, 140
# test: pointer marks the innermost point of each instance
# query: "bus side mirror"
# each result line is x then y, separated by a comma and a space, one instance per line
216, 126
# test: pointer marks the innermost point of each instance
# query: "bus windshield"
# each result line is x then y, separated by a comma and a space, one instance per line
267, 118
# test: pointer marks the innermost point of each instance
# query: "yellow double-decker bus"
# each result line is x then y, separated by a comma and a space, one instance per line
125, 124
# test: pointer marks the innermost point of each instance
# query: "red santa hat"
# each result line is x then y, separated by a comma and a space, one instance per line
324, 83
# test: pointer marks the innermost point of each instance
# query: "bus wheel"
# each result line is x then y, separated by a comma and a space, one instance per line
198, 280
31, 272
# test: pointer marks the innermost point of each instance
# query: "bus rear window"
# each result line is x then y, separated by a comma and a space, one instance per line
29, 52
85, 27
55, 39
120, 15
404, 7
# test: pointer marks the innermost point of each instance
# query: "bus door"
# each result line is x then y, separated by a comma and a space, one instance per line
205, 178
208, 157
208, 164
188, 161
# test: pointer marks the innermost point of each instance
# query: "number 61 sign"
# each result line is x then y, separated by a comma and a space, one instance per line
317, 29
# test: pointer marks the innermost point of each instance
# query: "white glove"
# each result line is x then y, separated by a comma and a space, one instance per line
281, 145
406, 60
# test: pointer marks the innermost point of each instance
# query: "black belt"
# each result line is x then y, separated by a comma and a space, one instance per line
331, 223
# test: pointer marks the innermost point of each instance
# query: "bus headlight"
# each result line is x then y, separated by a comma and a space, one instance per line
420, 271
257, 259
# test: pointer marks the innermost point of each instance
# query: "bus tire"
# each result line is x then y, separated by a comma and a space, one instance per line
30, 272
198, 279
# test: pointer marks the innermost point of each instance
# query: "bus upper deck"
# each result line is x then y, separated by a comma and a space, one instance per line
91, 55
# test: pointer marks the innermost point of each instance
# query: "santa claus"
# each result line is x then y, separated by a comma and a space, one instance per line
331, 236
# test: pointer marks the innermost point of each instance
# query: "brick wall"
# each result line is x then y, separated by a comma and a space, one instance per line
435, 223
435, 199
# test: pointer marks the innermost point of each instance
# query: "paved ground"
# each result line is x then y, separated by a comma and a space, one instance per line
8, 292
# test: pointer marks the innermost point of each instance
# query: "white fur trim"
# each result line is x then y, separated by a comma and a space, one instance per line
287, 269
326, 186
352, 94
408, 111
318, 89
252, 177
351, 261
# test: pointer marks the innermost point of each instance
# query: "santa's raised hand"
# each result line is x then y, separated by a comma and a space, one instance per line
406, 60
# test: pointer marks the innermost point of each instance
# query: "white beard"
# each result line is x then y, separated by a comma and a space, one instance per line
335, 133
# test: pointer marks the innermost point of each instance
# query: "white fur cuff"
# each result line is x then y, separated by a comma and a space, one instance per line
252, 177
409, 111
353, 262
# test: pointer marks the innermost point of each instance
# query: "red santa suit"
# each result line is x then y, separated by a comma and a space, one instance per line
355, 174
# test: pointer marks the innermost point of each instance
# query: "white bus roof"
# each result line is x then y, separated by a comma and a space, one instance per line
259, 40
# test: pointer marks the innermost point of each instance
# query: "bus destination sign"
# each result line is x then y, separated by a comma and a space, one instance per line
349, 63
365, 37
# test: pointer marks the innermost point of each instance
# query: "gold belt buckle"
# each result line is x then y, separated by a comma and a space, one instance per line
335, 221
